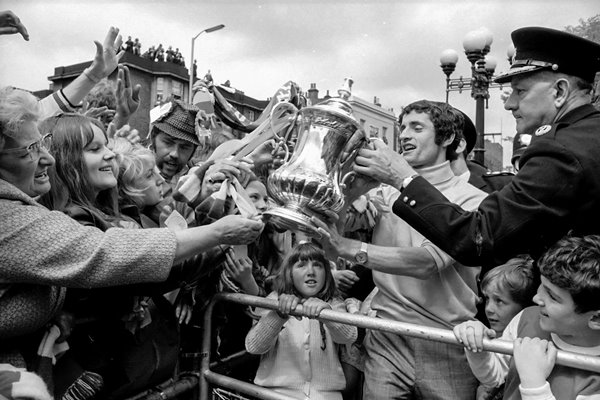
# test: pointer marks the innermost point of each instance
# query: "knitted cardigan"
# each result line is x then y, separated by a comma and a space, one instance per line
43, 251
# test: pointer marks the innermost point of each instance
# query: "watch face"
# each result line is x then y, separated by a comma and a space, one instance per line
361, 257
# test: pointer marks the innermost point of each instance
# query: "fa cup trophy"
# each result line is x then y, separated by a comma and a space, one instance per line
311, 181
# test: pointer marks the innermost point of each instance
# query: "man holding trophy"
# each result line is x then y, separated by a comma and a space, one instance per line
418, 283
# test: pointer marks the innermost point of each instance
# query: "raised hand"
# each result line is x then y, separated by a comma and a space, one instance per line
382, 164
107, 55
11, 24
330, 239
99, 112
345, 279
238, 268
534, 359
129, 134
221, 170
128, 97
472, 333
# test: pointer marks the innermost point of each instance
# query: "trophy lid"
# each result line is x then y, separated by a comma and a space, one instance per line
346, 90
338, 105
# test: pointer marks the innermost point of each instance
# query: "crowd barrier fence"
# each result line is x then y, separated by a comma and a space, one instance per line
209, 377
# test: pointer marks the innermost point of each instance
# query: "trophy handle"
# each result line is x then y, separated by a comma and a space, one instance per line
281, 140
347, 176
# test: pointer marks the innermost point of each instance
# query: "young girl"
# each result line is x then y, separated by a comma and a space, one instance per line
507, 289
140, 183
299, 356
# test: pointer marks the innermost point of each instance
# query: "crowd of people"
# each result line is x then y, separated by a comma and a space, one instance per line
111, 246
154, 53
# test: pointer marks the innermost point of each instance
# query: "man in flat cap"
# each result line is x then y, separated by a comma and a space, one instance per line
557, 188
173, 137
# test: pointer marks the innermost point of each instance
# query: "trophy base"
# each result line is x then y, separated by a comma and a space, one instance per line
284, 218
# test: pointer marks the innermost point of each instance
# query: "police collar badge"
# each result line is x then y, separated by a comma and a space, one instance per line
542, 130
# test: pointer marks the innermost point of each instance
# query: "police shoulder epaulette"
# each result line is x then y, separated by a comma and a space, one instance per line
497, 173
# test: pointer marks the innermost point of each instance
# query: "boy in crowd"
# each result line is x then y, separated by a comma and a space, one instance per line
567, 316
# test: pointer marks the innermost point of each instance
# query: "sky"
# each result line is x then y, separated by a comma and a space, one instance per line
390, 49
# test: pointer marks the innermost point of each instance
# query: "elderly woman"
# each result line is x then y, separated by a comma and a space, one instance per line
42, 252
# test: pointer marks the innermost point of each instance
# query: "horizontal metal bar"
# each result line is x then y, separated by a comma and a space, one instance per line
244, 387
565, 358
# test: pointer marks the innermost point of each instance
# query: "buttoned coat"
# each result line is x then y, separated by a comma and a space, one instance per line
557, 190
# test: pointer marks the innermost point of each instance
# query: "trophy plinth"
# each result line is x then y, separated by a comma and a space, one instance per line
290, 219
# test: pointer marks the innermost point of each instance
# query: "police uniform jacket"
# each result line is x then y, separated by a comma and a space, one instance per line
557, 190
487, 181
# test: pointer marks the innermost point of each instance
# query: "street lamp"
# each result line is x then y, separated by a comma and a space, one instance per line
477, 45
207, 30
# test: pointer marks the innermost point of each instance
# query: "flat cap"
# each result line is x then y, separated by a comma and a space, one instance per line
177, 119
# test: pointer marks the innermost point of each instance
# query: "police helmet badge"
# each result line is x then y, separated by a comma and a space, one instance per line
542, 130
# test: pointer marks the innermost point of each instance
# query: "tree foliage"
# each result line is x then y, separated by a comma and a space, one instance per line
589, 29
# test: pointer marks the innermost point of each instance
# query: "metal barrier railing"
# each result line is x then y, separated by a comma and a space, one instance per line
589, 363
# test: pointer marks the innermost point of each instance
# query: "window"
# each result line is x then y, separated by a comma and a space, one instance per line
384, 132
373, 131
177, 90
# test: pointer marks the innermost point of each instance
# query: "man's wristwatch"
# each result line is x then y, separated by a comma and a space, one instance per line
362, 256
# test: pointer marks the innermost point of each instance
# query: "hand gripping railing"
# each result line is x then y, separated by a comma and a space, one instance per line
565, 358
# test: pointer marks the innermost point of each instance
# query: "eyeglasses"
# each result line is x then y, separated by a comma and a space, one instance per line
33, 150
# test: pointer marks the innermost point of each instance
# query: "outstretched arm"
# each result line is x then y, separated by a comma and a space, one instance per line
105, 62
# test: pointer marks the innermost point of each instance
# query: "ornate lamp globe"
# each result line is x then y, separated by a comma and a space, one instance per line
448, 60
474, 44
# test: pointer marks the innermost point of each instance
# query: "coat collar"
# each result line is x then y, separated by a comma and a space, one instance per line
577, 114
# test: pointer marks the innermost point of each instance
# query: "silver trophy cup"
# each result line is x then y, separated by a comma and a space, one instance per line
311, 182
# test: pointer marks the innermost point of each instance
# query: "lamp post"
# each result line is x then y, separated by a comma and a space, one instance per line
476, 45
207, 30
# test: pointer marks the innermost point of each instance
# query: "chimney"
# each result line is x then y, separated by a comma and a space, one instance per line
376, 101
313, 94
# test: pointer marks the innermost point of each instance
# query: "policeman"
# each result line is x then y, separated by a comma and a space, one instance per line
557, 188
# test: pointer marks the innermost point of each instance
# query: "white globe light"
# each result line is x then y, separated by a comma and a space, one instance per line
449, 57
490, 63
474, 41
510, 52
489, 37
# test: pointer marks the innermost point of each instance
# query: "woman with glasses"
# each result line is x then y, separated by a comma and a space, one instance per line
42, 252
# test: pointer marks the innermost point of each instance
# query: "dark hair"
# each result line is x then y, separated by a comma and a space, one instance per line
576, 82
573, 264
447, 121
305, 251
515, 276
71, 132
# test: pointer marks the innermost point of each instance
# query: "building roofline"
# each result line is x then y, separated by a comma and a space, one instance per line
131, 61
